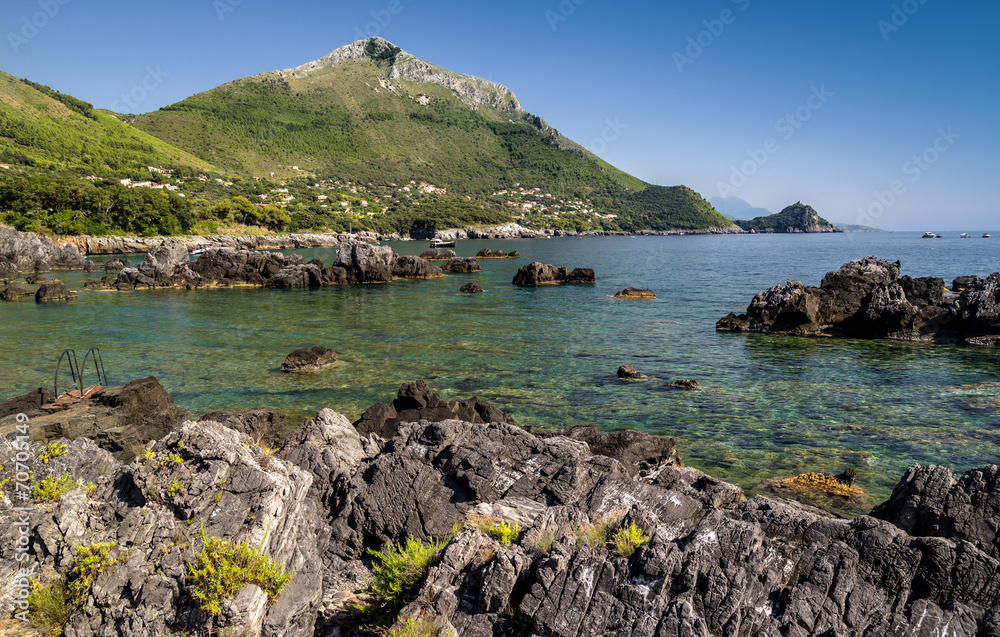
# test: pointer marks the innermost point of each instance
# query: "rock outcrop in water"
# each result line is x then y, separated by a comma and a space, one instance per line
357, 263
536, 273
309, 359
867, 298
712, 563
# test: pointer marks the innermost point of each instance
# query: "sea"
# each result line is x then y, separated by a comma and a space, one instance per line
768, 406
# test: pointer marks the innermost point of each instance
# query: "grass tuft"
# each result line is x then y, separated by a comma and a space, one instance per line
50, 489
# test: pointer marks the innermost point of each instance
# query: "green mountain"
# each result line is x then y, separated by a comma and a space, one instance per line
368, 137
370, 112
45, 129
795, 218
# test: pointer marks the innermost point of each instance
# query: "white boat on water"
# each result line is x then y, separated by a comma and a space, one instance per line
929, 235
201, 250
964, 235
442, 243
986, 235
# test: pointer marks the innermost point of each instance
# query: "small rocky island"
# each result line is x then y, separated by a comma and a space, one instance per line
797, 217
579, 533
867, 298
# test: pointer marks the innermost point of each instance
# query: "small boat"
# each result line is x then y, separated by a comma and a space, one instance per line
964, 235
929, 235
201, 250
442, 243
986, 235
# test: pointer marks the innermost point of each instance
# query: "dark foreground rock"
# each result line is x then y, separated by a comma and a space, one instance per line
119, 419
686, 383
867, 298
536, 273
54, 291
309, 359
714, 563
416, 401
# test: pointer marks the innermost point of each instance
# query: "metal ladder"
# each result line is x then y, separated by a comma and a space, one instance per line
76, 373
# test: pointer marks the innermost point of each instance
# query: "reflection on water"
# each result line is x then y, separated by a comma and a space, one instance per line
769, 405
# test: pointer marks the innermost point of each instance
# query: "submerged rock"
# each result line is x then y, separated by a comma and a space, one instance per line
309, 359
686, 383
867, 298
34, 279
471, 288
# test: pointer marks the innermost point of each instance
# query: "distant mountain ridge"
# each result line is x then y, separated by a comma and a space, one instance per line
735, 208
798, 217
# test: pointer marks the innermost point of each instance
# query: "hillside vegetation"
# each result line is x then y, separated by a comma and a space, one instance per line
369, 137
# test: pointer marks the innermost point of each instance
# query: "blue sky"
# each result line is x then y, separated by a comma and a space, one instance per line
883, 112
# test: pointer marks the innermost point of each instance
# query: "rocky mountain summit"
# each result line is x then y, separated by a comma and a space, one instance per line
601, 537
868, 298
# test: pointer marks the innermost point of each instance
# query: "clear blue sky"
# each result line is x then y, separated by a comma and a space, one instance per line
708, 115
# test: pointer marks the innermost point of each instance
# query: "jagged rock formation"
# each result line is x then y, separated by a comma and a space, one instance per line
28, 252
713, 563
487, 253
536, 273
867, 298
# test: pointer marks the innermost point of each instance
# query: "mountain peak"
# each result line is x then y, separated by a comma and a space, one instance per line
399, 64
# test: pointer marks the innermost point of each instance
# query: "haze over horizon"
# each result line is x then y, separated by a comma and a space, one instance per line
873, 113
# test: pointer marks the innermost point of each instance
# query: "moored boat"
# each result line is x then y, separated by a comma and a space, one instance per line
442, 243
929, 235
986, 235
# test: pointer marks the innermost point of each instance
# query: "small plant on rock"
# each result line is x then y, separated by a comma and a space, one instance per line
52, 605
596, 533
52, 450
50, 488
628, 539
500, 530
403, 567
222, 568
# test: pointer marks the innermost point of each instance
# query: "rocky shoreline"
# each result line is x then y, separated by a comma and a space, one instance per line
867, 298
703, 559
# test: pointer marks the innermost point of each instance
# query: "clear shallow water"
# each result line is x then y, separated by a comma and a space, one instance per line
770, 405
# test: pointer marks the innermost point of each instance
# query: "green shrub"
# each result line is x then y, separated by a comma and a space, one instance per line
544, 543
51, 605
222, 568
628, 539
53, 450
50, 489
403, 568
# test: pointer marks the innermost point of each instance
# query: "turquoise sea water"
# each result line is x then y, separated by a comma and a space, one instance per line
769, 405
